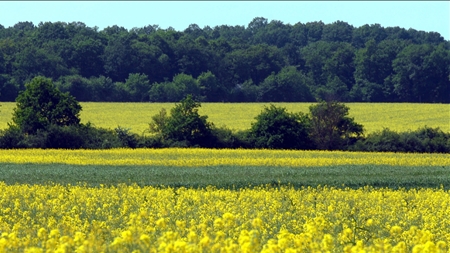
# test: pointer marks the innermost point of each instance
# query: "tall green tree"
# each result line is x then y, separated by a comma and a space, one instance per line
338, 31
314, 31
289, 85
181, 86
361, 35
192, 55
421, 73
118, 55
86, 56
331, 128
255, 62
42, 105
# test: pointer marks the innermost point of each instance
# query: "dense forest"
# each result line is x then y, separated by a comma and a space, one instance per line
262, 62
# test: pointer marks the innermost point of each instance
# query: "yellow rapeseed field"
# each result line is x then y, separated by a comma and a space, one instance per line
239, 116
130, 218
55, 218
213, 157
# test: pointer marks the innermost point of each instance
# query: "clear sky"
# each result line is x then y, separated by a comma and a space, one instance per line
420, 15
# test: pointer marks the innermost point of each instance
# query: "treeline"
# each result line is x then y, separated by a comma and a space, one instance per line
45, 117
262, 62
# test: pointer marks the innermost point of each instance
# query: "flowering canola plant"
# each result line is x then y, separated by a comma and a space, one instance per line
129, 218
178, 157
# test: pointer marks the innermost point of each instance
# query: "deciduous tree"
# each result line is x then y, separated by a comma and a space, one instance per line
331, 128
42, 105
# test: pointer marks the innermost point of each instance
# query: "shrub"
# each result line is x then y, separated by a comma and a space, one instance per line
126, 138
184, 127
430, 140
67, 137
225, 138
11, 137
275, 128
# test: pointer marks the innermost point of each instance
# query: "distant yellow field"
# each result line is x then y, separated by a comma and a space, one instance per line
239, 116
179, 157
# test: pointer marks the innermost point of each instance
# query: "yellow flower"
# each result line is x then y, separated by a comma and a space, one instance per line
127, 236
161, 223
34, 250
395, 230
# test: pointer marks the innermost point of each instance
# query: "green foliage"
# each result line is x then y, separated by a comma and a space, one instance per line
126, 138
158, 122
289, 85
77, 86
331, 128
210, 87
417, 66
67, 137
245, 92
184, 126
180, 87
103, 89
423, 140
138, 87
279, 129
223, 137
11, 137
229, 63
42, 105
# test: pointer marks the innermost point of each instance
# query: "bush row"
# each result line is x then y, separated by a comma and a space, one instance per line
48, 118
86, 136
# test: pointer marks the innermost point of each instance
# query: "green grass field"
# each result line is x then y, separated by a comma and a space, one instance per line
353, 176
226, 168
239, 116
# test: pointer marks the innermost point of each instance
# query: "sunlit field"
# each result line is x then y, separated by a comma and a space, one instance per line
239, 116
204, 200
199, 157
208, 200
129, 218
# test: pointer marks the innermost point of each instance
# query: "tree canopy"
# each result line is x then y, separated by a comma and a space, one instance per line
42, 105
277, 128
267, 60
331, 127
184, 126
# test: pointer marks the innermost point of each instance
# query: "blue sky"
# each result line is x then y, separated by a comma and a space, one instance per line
420, 15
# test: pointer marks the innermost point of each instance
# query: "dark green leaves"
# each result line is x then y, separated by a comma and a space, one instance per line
42, 105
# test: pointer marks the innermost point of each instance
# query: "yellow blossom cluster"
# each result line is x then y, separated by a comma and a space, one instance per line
129, 218
178, 157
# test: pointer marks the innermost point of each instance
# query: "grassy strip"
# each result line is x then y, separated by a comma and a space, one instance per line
353, 176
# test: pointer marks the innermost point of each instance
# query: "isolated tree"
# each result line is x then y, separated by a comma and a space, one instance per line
184, 125
276, 128
42, 105
331, 128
